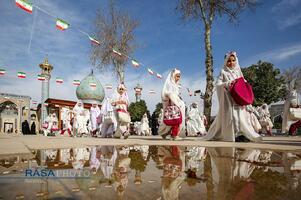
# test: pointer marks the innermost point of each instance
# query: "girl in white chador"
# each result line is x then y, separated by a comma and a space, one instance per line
52, 126
109, 123
195, 123
65, 113
170, 95
265, 120
289, 123
145, 130
252, 118
120, 101
80, 119
231, 120
94, 114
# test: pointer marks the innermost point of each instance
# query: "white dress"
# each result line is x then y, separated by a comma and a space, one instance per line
144, 126
195, 123
231, 120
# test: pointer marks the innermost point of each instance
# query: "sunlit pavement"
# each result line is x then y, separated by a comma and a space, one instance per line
10, 144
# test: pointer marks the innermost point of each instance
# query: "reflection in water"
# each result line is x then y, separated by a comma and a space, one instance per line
156, 172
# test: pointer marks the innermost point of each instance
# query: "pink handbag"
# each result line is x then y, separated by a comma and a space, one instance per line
242, 92
172, 115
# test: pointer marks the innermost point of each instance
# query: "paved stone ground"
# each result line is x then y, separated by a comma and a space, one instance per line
19, 144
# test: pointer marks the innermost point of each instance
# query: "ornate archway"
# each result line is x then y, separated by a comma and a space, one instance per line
9, 115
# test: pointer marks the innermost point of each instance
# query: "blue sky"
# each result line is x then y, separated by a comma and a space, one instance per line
270, 33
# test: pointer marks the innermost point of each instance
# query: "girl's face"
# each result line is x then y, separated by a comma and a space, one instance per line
120, 90
231, 62
177, 77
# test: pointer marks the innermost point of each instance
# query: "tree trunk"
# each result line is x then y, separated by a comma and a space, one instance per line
209, 74
120, 71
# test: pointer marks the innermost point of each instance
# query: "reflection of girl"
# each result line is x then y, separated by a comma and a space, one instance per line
120, 100
170, 95
231, 120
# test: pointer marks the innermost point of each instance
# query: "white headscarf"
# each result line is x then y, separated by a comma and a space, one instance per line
236, 69
79, 109
106, 106
124, 96
170, 86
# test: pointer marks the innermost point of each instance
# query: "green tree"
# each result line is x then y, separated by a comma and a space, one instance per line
206, 11
137, 110
268, 85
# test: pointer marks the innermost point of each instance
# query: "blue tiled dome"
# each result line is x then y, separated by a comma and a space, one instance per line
90, 90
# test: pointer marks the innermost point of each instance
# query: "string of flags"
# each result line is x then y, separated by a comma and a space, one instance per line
63, 25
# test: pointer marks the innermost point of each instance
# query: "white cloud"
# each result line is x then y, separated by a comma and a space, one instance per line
279, 54
287, 13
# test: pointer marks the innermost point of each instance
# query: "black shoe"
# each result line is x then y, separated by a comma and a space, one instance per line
241, 138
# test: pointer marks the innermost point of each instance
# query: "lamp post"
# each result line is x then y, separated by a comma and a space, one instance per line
138, 90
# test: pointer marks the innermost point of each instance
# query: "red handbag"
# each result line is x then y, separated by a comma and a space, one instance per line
172, 115
242, 92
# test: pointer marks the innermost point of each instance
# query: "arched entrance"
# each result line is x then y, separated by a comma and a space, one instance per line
8, 117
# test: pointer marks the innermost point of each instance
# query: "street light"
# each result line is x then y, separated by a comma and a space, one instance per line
138, 90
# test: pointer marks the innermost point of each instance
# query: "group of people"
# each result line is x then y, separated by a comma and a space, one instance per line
233, 122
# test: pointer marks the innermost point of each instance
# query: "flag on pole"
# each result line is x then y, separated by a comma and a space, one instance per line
21, 75
56, 105
34, 102
76, 82
25, 5
117, 52
93, 85
41, 77
108, 86
45, 104
152, 92
59, 80
94, 41
150, 71
2, 71
159, 76
61, 24
135, 63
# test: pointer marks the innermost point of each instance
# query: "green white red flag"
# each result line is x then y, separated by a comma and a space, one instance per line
34, 102
152, 92
93, 85
61, 24
108, 86
41, 77
135, 63
159, 76
150, 71
117, 52
2, 71
25, 5
94, 41
59, 80
76, 82
21, 75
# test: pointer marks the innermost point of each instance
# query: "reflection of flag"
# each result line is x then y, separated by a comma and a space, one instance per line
25, 5
59, 80
108, 86
159, 75
94, 41
152, 92
41, 77
93, 85
61, 24
2, 71
116, 52
76, 82
135, 63
150, 71
21, 75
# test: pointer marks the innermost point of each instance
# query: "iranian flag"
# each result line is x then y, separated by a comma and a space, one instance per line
76, 82
45, 104
152, 92
159, 75
108, 86
2, 71
56, 105
61, 24
93, 85
34, 102
94, 41
59, 80
25, 5
117, 52
41, 77
21, 75
150, 71
135, 63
